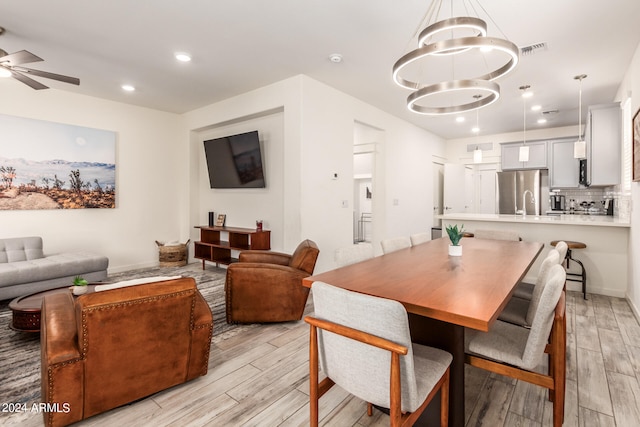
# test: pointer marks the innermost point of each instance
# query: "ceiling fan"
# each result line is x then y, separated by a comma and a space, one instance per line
12, 63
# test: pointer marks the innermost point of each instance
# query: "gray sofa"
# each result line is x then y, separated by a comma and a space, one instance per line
24, 268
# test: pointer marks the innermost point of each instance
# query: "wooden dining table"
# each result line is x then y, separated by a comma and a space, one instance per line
443, 294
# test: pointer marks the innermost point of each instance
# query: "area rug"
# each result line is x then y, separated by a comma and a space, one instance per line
20, 351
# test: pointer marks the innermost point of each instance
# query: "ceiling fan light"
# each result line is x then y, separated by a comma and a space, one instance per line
580, 149
523, 154
4, 72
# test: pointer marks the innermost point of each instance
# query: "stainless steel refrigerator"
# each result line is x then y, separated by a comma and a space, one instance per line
512, 186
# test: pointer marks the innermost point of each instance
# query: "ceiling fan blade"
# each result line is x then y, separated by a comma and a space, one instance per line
21, 57
48, 75
28, 81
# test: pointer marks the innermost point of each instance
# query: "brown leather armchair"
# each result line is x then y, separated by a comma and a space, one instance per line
106, 349
266, 286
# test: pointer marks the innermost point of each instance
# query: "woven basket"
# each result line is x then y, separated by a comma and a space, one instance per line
174, 255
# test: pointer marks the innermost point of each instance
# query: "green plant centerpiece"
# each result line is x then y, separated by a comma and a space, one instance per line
455, 235
79, 285
80, 281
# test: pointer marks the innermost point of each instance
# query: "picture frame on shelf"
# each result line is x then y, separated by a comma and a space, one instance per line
220, 220
635, 132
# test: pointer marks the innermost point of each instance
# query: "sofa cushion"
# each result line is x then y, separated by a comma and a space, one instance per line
51, 267
20, 249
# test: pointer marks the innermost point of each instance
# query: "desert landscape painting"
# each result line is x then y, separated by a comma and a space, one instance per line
46, 165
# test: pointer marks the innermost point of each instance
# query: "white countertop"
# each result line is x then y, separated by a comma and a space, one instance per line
588, 220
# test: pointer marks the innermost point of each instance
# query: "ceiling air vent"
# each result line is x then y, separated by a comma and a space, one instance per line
550, 112
533, 48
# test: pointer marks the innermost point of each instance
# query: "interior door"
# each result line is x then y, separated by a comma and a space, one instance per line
454, 188
438, 192
487, 191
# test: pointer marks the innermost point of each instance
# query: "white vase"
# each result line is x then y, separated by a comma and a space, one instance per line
455, 250
79, 290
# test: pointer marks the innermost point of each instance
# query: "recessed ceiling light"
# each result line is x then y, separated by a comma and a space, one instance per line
475, 129
536, 108
542, 121
459, 119
183, 57
527, 94
128, 88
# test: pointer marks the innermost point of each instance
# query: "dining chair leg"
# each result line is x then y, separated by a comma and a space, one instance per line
444, 400
558, 360
313, 377
369, 409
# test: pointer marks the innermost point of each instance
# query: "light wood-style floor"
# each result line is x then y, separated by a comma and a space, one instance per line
260, 378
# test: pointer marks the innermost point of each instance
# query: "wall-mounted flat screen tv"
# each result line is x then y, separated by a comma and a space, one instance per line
235, 161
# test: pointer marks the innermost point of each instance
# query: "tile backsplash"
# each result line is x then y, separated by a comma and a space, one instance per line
622, 201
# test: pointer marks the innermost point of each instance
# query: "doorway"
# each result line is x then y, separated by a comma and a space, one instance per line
438, 193
366, 138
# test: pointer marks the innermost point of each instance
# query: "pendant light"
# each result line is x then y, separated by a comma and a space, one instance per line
430, 46
477, 153
580, 146
523, 153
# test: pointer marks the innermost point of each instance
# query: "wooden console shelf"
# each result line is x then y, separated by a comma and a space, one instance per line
213, 248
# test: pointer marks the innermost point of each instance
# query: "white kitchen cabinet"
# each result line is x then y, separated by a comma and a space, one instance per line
603, 135
537, 155
563, 167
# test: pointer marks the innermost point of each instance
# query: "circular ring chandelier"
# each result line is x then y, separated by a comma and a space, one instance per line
451, 24
453, 46
451, 86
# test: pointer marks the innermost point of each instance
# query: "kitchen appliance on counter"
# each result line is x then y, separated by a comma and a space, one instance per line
586, 207
516, 187
608, 206
556, 202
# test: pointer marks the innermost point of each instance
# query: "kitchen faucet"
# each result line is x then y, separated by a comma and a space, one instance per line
524, 201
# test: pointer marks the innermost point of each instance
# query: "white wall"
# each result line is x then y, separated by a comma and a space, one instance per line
631, 84
274, 111
402, 171
244, 207
318, 135
163, 188
150, 171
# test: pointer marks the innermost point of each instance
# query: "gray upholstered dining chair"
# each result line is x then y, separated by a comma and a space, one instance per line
516, 352
395, 244
524, 290
364, 346
497, 235
355, 253
419, 238
520, 311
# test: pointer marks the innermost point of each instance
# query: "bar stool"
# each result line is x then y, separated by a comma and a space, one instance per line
575, 277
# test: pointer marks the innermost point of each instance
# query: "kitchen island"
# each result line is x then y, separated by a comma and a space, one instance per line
605, 259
